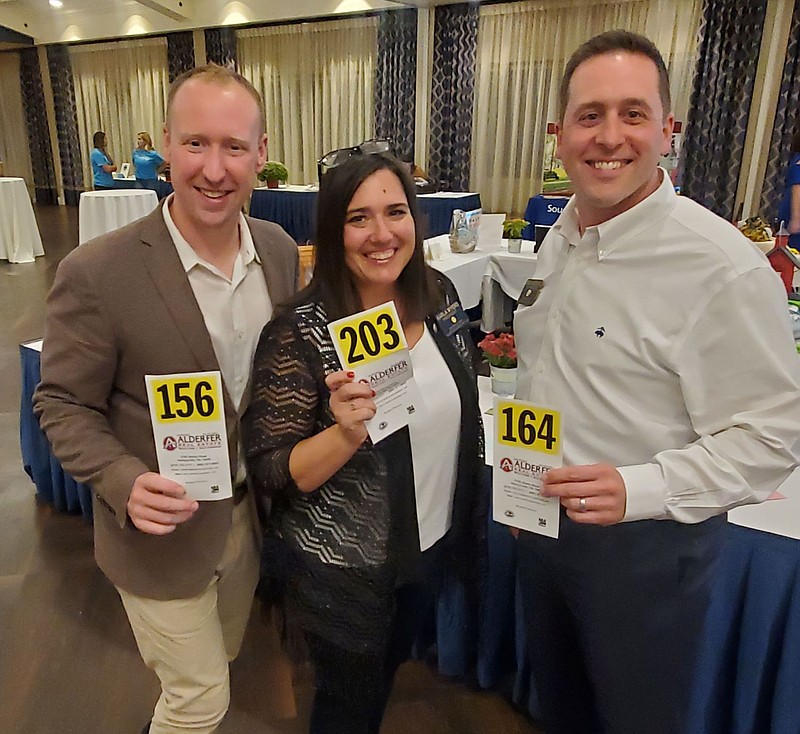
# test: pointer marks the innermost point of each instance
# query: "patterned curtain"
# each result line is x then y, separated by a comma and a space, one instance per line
452, 94
180, 53
44, 175
69, 146
221, 47
787, 122
396, 80
730, 39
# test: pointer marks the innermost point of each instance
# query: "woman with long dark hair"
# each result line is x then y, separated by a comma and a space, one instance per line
359, 533
102, 165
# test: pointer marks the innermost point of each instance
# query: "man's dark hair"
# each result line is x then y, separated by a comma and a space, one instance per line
608, 42
99, 140
333, 282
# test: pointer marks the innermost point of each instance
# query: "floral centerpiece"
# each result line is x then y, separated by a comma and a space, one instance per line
512, 228
499, 350
273, 172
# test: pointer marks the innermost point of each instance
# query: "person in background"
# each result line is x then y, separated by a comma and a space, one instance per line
361, 532
186, 289
661, 336
147, 161
102, 165
789, 211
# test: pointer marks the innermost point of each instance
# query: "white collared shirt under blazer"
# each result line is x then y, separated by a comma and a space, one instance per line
662, 335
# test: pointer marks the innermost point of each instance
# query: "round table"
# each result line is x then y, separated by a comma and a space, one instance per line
20, 241
104, 211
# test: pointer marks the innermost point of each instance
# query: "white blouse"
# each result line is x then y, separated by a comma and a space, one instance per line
434, 431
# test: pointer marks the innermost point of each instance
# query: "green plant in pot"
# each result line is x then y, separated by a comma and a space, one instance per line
273, 172
512, 231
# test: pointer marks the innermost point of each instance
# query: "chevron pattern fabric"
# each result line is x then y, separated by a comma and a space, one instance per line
730, 40
329, 546
221, 47
396, 80
787, 122
180, 53
44, 176
69, 146
453, 94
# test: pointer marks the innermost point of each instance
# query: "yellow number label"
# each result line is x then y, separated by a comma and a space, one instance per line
370, 336
186, 399
529, 427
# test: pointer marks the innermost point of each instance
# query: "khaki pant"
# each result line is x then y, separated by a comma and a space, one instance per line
188, 643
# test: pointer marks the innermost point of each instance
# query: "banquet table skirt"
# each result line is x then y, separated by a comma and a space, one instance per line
53, 484
294, 209
162, 188
100, 212
438, 209
748, 678
20, 241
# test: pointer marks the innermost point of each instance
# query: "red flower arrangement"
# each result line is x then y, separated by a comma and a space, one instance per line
499, 350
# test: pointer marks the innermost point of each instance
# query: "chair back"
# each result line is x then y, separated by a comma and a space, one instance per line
306, 264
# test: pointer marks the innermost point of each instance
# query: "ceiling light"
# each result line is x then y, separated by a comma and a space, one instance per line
56, 3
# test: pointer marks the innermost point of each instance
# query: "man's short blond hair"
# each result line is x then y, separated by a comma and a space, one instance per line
216, 74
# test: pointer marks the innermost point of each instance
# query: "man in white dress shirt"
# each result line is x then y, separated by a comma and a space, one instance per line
662, 336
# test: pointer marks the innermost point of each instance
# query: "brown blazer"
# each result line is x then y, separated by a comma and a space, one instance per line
122, 307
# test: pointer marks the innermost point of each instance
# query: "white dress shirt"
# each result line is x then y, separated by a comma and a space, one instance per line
234, 309
662, 335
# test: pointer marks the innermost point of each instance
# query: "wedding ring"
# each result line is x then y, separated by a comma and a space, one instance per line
582, 504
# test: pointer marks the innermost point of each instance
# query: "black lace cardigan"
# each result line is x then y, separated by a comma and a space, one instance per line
334, 556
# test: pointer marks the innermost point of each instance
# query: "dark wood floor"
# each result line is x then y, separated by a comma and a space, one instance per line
68, 662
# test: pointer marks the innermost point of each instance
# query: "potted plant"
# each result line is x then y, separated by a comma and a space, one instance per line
500, 351
273, 172
512, 231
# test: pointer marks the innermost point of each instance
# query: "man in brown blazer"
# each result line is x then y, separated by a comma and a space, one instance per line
186, 289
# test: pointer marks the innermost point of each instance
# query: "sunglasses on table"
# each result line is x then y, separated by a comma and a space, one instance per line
337, 157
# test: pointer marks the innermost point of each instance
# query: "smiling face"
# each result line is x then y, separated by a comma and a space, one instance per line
613, 132
214, 146
379, 236
141, 143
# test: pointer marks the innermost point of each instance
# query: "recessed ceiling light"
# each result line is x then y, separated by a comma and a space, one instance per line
56, 3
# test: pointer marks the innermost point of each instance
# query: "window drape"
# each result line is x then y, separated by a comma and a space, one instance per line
522, 51
317, 80
13, 132
787, 124
120, 88
723, 89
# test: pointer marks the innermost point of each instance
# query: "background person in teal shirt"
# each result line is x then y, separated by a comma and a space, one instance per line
148, 162
102, 165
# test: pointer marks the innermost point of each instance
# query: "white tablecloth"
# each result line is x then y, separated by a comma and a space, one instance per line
503, 281
20, 241
465, 270
104, 211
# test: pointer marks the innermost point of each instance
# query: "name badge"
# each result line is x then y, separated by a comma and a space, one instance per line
451, 319
530, 292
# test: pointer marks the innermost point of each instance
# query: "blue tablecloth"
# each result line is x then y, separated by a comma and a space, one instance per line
748, 680
162, 189
748, 676
53, 484
295, 210
541, 213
